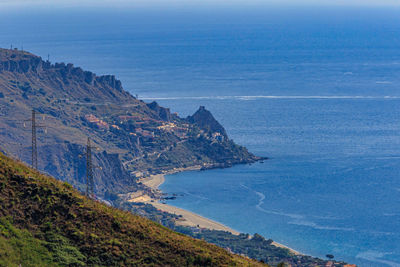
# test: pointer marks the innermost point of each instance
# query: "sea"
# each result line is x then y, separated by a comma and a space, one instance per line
314, 89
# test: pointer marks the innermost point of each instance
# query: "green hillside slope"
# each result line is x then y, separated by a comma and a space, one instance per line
44, 222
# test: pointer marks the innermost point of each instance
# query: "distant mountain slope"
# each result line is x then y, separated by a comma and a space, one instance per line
134, 138
44, 222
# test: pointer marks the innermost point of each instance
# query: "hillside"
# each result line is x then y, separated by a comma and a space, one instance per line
134, 138
45, 222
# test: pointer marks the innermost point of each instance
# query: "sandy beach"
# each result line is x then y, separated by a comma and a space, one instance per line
193, 219
188, 218
154, 181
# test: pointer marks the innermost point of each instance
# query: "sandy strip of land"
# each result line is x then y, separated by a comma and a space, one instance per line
193, 219
153, 181
190, 218
276, 244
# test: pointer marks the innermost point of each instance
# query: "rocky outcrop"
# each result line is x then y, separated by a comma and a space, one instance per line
24, 62
163, 113
206, 121
21, 64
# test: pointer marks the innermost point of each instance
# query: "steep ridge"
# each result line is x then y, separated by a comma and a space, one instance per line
134, 138
205, 120
45, 222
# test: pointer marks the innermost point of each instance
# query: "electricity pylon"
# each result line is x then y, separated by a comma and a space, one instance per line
89, 169
34, 139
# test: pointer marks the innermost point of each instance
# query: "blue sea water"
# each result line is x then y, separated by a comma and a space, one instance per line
315, 90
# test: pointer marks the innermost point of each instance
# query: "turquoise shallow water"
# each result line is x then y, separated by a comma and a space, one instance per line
317, 91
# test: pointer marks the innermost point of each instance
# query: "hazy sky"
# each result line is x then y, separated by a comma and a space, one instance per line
198, 2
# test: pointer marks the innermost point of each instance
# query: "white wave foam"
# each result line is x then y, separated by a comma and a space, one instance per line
299, 219
376, 256
381, 233
321, 227
195, 195
390, 214
242, 185
255, 97
387, 157
328, 217
383, 82
261, 198
261, 202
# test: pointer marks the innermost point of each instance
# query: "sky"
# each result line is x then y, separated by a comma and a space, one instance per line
95, 3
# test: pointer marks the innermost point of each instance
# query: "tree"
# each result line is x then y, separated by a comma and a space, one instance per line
330, 256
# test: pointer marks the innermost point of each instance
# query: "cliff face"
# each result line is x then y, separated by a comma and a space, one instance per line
66, 80
133, 138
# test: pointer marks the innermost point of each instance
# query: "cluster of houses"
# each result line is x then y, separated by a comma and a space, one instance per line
92, 119
143, 126
180, 131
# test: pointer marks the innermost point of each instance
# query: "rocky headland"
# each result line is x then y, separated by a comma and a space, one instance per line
134, 139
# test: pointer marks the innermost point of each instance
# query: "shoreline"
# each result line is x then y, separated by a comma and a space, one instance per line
190, 219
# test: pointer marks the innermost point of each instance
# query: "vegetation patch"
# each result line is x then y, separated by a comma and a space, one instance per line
45, 222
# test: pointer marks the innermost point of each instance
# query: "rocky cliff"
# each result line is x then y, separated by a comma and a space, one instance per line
133, 138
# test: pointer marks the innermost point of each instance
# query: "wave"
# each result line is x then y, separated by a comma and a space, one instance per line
391, 214
261, 200
297, 219
326, 217
255, 97
290, 215
387, 157
321, 227
246, 187
376, 256
302, 220
195, 195
383, 82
